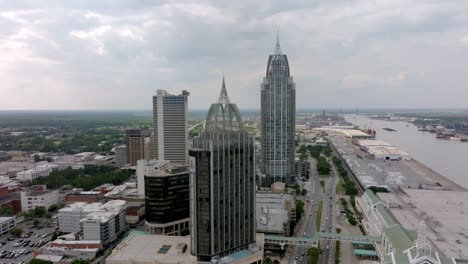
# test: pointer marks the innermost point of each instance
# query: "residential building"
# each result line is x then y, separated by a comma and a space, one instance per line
43, 169
135, 146
143, 167
121, 155
278, 113
170, 126
38, 196
103, 226
69, 218
167, 201
302, 168
222, 184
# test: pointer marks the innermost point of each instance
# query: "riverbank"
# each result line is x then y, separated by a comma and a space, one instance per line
432, 176
446, 157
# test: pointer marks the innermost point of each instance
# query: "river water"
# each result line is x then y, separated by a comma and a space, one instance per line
449, 158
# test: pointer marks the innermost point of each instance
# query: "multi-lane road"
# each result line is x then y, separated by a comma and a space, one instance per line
327, 223
328, 219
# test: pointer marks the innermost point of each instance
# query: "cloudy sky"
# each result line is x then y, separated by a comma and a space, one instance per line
86, 54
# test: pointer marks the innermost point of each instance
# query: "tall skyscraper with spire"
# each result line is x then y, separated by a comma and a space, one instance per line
278, 119
222, 184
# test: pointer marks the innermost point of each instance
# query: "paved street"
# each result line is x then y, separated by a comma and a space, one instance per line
308, 227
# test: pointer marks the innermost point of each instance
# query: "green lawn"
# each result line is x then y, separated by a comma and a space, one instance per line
318, 216
340, 188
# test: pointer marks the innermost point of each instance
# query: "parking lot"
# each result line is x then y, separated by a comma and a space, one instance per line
26, 245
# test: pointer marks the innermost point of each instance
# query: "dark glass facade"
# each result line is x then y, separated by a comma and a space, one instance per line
167, 197
222, 194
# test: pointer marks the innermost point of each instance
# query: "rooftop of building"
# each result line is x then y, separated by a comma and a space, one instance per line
102, 217
6, 218
271, 214
444, 212
74, 242
170, 171
143, 248
40, 167
354, 133
91, 207
400, 238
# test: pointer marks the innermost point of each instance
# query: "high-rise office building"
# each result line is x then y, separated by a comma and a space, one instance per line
278, 114
222, 184
135, 146
167, 201
120, 155
170, 126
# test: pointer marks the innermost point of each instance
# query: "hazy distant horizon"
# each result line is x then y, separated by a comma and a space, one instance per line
298, 110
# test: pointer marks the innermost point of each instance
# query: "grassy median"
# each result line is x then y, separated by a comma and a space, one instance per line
318, 216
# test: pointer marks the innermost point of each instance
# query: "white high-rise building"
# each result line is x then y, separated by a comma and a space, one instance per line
144, 167
170, 126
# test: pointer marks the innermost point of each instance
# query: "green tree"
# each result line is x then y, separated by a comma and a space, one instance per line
81, 261
314, 254
7, 210
268, 261
39, 211
36, 222
56, 235
16, 231
39, 261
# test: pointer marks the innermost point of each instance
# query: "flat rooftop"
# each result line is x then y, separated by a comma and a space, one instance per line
380, 172
271, 213
444, 212
140, 248
143, 248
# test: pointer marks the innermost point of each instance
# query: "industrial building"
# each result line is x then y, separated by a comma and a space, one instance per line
382, 150
388, 153
355, 134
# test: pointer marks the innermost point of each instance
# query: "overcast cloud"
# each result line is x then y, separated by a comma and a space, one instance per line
115, 54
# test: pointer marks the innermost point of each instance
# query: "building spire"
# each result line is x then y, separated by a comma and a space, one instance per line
278, 47
223, 96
